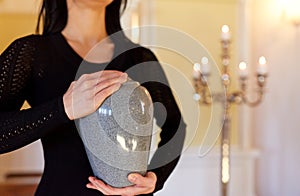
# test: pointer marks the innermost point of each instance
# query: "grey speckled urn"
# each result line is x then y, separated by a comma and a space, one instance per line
117, 137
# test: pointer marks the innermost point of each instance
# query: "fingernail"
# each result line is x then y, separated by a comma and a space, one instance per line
132, 178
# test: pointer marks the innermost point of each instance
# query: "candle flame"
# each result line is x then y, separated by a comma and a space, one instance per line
204, 60
197, 67
243, 66
225, 28
262, 60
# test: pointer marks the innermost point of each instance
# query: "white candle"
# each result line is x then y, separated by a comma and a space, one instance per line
196, 71
243, 71
262, 67
205, 66
225, 33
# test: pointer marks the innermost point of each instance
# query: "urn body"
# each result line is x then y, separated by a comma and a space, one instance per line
117, 137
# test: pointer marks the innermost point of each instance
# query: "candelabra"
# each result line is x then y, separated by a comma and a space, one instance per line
227, 98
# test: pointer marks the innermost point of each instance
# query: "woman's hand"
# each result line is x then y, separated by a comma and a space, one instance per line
86, 94
142, 185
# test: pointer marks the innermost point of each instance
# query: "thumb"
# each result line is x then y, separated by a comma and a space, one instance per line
135, 178
138, 179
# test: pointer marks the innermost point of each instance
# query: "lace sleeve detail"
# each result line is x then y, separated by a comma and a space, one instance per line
19, 128
16, 64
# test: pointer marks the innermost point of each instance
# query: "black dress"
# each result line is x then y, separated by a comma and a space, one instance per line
40, 69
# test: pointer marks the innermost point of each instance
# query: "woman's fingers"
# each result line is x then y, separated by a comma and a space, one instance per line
89, 80
103, 84
103, 94
149, 179
87, 94
101, 75
142, 185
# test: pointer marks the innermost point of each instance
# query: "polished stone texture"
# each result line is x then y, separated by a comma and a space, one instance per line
117, 136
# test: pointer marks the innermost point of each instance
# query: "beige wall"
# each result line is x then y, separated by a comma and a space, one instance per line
276, 124
202, 20
17, 18
15, 25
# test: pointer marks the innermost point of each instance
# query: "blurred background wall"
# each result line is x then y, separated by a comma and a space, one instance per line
264, 139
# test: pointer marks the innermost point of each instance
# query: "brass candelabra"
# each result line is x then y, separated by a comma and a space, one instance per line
227, 98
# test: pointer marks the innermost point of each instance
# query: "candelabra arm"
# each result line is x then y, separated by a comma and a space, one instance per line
202, 93
256, 102
261, 79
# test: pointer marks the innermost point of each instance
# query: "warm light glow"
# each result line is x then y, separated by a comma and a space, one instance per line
243, 70
225, 29
204, 60
196, 71
205, 67
225, 33
262, 60
197, 67
225, 163
243, 66
291, 10
262, 67
225, 170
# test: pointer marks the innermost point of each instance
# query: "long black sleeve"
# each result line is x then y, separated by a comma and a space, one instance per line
19, 128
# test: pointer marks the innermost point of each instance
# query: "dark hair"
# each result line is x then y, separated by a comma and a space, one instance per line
54, 15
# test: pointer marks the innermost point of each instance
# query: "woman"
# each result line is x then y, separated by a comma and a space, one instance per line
41, 70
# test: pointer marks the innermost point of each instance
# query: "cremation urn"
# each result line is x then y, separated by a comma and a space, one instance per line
117, 137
